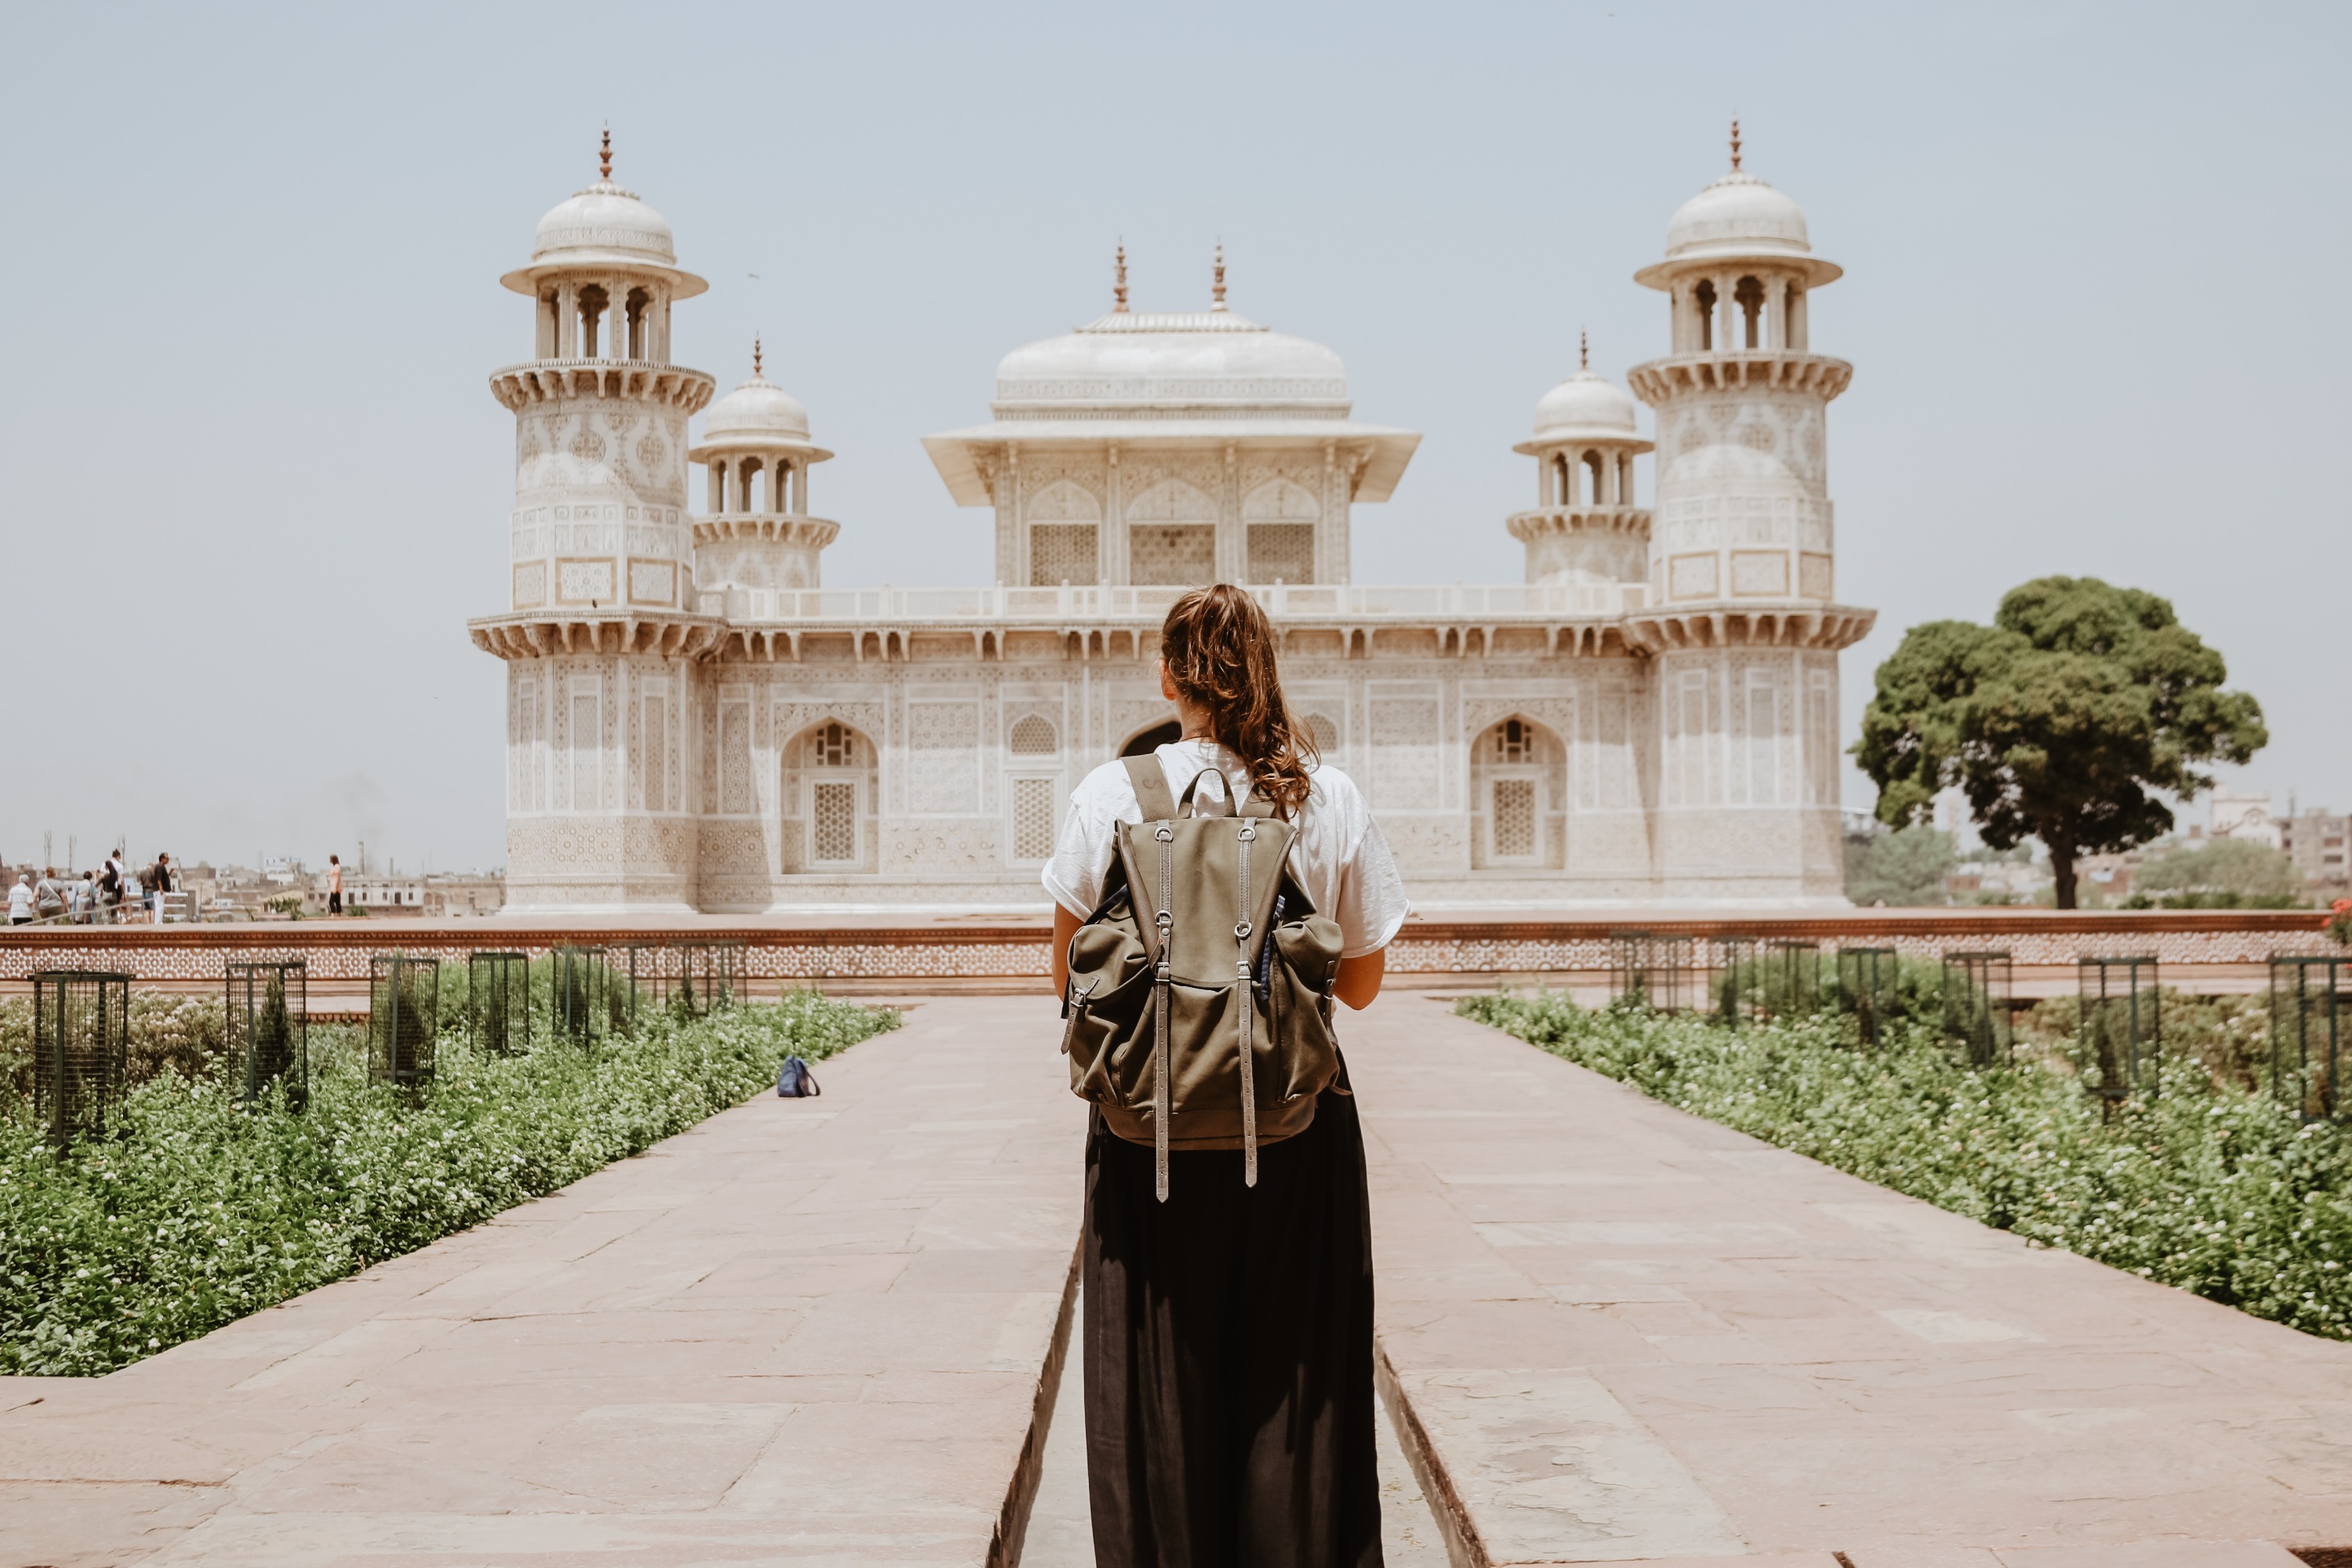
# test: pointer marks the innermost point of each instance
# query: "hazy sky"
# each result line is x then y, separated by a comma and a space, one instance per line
255, 482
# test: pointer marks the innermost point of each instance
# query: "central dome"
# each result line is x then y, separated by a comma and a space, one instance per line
1201, 358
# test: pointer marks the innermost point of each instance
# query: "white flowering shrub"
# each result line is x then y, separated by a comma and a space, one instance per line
194, 1211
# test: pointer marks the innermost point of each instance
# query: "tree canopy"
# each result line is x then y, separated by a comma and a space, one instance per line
2066, 720
1904, 868
2240, 866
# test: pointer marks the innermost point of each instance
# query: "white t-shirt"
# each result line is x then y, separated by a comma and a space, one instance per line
1340, 856
20, 899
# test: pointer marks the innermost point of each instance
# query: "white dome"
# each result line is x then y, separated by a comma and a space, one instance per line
1738, 214
757, 408
1584, 404
604, 223
1206, 357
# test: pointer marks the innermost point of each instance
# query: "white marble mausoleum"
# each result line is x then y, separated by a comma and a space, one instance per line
696, 722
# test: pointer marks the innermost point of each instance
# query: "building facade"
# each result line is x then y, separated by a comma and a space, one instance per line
696, 721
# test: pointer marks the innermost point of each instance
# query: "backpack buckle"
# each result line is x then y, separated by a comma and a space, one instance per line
1164, 833
1241, 931
1249, 832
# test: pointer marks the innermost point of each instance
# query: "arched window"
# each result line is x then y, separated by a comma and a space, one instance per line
1703, 299
1322, 731
1749, 295
1563, 478
1033, 736
1515, 788
835, 745
1598, 491
594, 305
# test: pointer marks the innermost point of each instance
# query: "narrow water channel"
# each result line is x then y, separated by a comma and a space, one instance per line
1060, 1535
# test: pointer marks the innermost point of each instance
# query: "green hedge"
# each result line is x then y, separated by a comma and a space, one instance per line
194, 1212
2208, 1187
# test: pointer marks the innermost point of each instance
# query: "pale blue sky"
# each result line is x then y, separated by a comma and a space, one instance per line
254, 483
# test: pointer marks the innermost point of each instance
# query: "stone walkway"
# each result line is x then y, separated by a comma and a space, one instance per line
824, 1332
808, 1331
1634, 1335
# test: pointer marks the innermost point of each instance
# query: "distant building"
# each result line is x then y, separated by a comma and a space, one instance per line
2315, 841
2244, 816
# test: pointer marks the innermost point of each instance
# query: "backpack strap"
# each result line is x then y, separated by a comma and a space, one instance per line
1151, 792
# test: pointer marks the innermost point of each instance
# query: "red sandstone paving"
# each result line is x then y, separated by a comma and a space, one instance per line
802, 1331
811, 1332
1606, 1309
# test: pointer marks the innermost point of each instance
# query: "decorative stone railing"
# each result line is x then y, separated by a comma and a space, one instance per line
1346, 604
2218, 949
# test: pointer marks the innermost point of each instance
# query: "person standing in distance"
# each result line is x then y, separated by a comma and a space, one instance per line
1228, 1331
334, 884
159, 882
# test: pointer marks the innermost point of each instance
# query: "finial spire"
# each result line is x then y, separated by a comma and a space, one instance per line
1119, 283
755, 355
1583, 349
604, 155
1217, 285
1735, 144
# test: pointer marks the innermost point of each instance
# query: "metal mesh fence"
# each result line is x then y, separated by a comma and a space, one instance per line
404, 1018
2121, 1032
1652, 970
1866, 982
497, 1002
267, 1028
1790, 985
582, 1006
81, 1051
1978, 989
2311, 1018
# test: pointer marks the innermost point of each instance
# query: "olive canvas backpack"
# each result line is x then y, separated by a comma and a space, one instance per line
1199, 1005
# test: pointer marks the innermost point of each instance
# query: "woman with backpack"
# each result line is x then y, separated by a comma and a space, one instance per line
1227, 1325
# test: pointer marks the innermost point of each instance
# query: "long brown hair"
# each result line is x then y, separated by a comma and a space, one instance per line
1219, 650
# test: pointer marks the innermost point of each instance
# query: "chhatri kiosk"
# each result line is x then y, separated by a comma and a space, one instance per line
696, 722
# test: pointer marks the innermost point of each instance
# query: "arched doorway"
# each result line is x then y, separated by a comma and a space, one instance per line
828, 797
1143, 742
1516, 789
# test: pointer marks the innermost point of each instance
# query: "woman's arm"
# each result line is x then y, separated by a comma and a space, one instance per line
1360, 978
1065, 926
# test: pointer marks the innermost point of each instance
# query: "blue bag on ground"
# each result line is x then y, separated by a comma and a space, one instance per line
795, 1081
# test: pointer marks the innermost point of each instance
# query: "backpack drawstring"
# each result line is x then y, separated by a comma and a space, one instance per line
1245, 995
1162, 976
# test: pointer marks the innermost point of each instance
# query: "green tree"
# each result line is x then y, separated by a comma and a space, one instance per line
2063, 720
1904, 868
2240, 866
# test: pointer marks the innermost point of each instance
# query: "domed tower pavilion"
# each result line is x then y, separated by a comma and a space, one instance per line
758, 538
601, 632
1744, 624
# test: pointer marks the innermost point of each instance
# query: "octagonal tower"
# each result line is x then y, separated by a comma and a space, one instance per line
600, 630
1744, 622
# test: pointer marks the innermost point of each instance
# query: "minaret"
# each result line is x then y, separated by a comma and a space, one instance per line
600, 631
758, 538
1743, 619
1585, 529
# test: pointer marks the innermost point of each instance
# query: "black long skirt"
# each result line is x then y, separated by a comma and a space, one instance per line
1228, 1339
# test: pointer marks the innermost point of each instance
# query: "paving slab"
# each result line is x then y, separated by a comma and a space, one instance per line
813, 1331
1630, 1334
